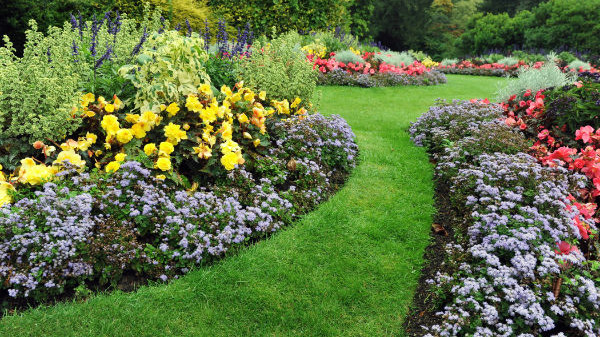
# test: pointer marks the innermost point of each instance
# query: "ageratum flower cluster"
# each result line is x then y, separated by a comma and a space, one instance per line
514, 268
90, 228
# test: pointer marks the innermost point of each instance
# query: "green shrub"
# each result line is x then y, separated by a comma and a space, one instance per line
577, 64
275, 17
395, 58
566, 57
494, 58
169, 67
448, 62
557, 23
549, 75
347, 56
332, 42
509, 61
222, 71
36, 99
280, 68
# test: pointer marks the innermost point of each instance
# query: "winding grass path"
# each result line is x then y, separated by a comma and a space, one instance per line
348, 269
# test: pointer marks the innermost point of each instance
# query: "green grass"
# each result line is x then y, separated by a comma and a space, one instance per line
349, 268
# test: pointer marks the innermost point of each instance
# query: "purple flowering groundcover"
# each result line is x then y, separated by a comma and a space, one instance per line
510, 265
91, 230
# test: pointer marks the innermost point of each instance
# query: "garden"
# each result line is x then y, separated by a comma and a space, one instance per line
299, 168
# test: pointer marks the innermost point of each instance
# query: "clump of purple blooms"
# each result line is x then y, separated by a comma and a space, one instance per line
513, 269
90, 228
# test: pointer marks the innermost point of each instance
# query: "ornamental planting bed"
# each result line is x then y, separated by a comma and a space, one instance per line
516, 252
150, 170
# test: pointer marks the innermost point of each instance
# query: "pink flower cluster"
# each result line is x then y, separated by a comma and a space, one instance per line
325, 65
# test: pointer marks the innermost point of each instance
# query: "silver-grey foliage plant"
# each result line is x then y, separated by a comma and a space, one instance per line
548, 75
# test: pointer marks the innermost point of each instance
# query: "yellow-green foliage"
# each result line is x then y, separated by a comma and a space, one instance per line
272, 17
36, 99
177, 11
169, 67
280, 68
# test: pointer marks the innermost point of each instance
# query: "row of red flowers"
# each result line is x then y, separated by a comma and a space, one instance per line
369, 66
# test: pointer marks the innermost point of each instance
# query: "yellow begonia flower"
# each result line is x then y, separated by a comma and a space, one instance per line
193, 104
296, 102
235, 97
174, 133
149, 119
109, 108
113, 166
161, 177
101, 100
229, 160
138, 131
5, 197
186, 126
132, 118
230, 146
249, 96
163, 163
205, 89
34, 174
70, 156
124, 136
226, 90
256, 142
226, 131
117, 102
203, 151
247, 135
166, 147
120, 157
91, 137
110, 124
149, 148
172, 109
262, 95
242, 118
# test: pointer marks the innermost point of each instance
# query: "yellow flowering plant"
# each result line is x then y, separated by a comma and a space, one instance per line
208, 131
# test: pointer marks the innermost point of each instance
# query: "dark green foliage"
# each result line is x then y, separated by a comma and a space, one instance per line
494, 31
221, 71
551, 25
401, 24
573, 107
507, 6
571, 23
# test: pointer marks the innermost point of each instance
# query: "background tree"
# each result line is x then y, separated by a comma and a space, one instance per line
401, 24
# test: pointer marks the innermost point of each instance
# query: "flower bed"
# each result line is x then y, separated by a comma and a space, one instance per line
371, 73
517, 263
467, 67
152, 170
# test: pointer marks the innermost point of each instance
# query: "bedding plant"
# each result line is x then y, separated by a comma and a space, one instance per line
159, 171
518, 262
522, 185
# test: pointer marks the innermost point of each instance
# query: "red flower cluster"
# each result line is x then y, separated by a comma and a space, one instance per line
585, 160
325, 65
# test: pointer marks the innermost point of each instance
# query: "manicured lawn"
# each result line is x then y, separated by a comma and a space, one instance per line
349, 268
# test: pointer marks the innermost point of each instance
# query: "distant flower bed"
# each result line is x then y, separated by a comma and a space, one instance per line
368, 71
497, 69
